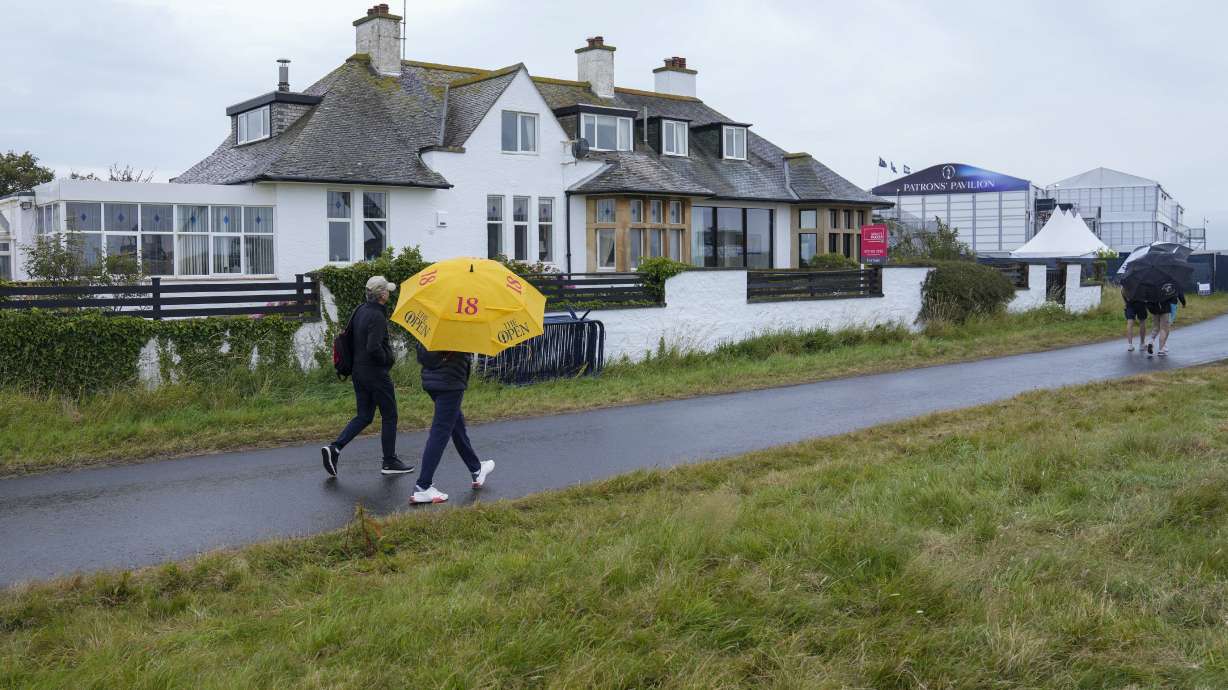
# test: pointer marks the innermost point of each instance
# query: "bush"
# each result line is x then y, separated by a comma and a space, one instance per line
831, 262
656, 271
348, 284
941, 244
956, 290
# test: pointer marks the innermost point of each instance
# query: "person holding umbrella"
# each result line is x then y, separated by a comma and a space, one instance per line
455, 308
1135, 312
1166, 312
1154, 274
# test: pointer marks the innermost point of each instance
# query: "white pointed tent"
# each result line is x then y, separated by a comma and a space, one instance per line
1065, 236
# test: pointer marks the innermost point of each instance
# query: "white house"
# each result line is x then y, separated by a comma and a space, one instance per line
383, 152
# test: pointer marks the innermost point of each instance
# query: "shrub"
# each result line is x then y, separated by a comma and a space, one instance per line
348, 284
831, 262
524, 268
941, 244
72, 354
656, 271
956, 290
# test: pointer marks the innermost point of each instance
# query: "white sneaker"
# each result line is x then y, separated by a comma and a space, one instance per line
431, 495
479, 477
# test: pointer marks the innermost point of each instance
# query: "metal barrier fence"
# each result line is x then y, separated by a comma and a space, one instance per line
158, 300
569, 347
784, 286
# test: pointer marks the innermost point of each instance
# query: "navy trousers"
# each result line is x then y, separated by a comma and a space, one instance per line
448, 423
373, 390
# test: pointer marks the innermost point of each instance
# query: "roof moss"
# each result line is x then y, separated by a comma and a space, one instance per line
446, 68
359, 57
654, 94
486, 75
794, 156
561, 82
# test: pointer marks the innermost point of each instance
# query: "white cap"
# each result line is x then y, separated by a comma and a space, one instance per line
380, 284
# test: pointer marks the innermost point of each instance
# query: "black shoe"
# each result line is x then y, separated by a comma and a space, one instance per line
331, 455
395, 466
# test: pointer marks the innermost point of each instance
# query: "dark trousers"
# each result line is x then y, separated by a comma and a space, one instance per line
449, 423
373, 389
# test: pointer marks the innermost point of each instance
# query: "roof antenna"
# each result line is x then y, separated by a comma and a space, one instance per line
404, 14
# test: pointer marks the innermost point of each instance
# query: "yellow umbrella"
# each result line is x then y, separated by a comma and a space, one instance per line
469, 305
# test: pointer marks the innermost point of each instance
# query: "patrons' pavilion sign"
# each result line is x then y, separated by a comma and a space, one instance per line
951, 178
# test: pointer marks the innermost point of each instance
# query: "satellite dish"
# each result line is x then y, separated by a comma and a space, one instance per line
579, 148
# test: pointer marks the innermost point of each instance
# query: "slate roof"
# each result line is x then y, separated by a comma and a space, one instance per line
371, 129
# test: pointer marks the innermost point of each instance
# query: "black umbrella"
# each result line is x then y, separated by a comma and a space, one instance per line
1157, 276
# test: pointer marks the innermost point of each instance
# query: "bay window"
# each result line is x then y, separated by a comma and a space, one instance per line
674, 137
519, 132
734, 142
675, 212
637, 210
606, 132
655, 214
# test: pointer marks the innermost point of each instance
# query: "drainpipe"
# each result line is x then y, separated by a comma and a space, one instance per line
567, 224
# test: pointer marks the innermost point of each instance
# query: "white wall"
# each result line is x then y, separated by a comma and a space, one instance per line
706, 308
1080, 299
484, 169
1034, 296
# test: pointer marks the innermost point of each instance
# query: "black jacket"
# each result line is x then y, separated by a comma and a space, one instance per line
444, 371
372, 348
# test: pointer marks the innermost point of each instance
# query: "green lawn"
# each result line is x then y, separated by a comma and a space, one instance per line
48, 432
1061, 539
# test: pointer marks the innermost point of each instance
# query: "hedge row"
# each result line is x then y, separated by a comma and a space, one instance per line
957, 290
88, 351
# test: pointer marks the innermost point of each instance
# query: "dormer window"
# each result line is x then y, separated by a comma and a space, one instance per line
734, 143
253, 125
674, 137
607, 132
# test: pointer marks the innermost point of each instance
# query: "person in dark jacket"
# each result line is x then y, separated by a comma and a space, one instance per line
373, 358
445, 376
1170, 295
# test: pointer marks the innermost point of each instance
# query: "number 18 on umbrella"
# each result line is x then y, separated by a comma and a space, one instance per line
469, 305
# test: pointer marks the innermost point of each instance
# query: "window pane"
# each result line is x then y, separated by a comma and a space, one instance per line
494, 240
590, 129
374, 205
259, 250
338, 204
265, 129
6, 267
675, 212
193, 255
89, 246
520, 209
682, 134
258, 220
808, 219
731, 249
241, 123
656, 242
225, 219
509, 131
528, 133
193, 219
834, 218
637, 211
624, 134
157, 254
848, 219
605, 248
607, 137
494, 208
122, 246
703, 228
545, 210
157, 218
605, 210
807, 249
758, 238
374, 238
669, 137
675, 245
545, 242
338, 241
654, 210
84, 217
637, 247
521, 233
120, 217
227, 255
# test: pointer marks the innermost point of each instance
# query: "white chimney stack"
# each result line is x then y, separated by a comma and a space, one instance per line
595, 65
674, 78
379, 36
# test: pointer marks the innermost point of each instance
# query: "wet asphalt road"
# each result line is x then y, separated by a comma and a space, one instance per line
124, 517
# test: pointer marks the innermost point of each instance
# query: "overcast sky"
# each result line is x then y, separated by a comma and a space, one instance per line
1039, 90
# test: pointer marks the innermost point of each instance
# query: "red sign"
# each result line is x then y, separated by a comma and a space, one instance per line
874, 244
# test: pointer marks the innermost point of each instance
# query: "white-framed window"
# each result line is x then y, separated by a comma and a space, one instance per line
734, 139
675, 212
519, 132
226, 226
674, 137
494, 225
192, 240
656, 242
374, 224
6, 260
545, 229
47, 219
122, 225
253, 125
158, 239
340, 218
83, 220
606, 132
638, 244
675, 245
808, 219
520, 227
258, 240
656, 212
637, 210
605, 210
605, 249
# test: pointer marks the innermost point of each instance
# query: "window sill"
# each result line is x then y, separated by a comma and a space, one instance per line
520, 153
252, 141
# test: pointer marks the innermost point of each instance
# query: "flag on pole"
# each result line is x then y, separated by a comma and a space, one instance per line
893, 166
906, 170
881, 163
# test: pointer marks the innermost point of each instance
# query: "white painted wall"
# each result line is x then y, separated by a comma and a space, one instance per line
706, 308
1080, 299
484, 169
1035, 295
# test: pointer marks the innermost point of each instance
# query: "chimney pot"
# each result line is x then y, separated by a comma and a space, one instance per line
674, 77
283, 75
379, 36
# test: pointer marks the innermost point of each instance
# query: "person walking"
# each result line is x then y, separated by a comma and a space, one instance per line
1135, 312
445, 376
373, 388
1166, 313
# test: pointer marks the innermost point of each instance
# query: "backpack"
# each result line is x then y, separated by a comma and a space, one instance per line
343, 349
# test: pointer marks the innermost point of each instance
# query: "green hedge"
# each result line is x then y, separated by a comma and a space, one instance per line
956, 290
88, 351
348, 284
657, 270
831, 262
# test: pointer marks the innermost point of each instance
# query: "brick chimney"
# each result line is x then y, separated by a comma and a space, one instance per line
674, 78
379, 35
595, 65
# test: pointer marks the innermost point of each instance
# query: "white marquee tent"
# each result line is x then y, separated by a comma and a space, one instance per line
1065, 236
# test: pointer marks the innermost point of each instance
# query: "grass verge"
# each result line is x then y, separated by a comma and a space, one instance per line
41, 432
1061, 539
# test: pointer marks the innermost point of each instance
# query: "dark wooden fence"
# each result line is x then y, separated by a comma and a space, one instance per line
783, 286
594, 290
157, 300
